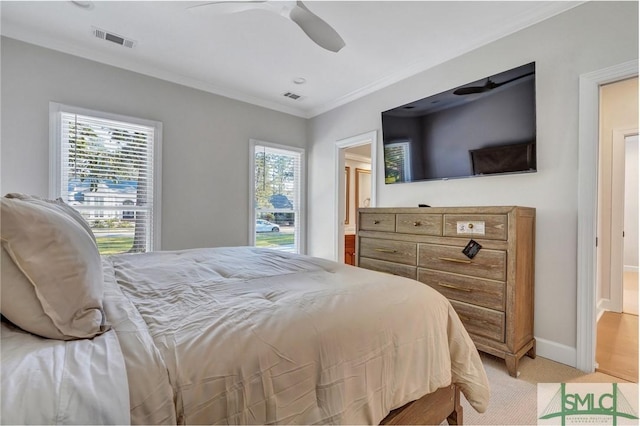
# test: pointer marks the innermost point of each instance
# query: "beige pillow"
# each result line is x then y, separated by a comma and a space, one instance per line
60, 205
61, 273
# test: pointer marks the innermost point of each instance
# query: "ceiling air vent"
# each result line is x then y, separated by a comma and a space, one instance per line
292, 96
114, 38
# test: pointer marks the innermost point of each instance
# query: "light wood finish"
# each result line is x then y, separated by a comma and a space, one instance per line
617, 345
493, 293
378, 222
350, 249
431, 409
392, 251
425, 224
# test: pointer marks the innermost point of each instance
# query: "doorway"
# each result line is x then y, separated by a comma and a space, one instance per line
618, 113
617, 325
356, 158
588, 291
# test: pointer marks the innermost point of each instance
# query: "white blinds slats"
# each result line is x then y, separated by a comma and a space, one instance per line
107, 175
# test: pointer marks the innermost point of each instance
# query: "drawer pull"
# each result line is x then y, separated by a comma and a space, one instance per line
454, 287
381, 250
417, 223
451, 259
376, 222
476, 320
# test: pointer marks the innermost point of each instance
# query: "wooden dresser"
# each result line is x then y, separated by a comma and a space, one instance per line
493, 293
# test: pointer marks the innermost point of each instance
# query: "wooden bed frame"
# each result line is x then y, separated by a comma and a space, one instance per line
431, 409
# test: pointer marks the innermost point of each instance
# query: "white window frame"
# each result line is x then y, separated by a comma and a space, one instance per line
301, 215
55, 157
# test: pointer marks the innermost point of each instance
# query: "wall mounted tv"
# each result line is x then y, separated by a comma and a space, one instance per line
486, 127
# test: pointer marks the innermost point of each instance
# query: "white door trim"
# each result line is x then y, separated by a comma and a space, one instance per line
588, 138
370, 137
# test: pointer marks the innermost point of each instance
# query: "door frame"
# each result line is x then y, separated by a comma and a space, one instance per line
370, 137
588, 142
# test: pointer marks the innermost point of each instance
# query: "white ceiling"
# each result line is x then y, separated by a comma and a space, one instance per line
255, 56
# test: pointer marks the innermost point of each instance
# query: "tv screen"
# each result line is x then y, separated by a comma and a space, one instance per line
486, 127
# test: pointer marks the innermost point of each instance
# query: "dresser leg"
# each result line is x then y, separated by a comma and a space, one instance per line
532, 352
512, 365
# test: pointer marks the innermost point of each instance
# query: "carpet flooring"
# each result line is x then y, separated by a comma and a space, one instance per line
514, 401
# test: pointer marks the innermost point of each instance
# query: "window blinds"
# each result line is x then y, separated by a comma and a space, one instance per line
107, 174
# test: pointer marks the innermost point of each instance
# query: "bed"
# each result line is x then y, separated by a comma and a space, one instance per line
230, 335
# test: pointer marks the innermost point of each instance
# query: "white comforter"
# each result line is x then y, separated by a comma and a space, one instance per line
257, 336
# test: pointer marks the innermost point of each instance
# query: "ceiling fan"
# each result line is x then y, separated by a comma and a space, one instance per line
313, 26
489, 85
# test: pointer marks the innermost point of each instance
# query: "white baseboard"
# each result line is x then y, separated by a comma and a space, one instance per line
556, 352
601, 308
604, 305
628, 268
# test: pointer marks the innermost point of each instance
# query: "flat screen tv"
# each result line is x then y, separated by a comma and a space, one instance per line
486, 127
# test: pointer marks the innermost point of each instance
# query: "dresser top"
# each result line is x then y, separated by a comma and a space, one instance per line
450, 210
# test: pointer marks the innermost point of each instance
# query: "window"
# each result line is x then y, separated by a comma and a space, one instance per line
276, 196
397, 157
107, 167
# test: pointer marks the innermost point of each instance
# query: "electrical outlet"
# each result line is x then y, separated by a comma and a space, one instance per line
474, 227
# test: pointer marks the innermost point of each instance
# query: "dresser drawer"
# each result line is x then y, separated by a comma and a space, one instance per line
480, 321
419, 224
388, 267
392, 251
495, 226
491, 264
385, 222
476, 291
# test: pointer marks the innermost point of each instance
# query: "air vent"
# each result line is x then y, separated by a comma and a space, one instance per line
292, 96
114, 38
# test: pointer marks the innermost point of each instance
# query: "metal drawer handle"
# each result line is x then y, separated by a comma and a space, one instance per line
386, 250
416, 223
450, 259
454, 287
376, 222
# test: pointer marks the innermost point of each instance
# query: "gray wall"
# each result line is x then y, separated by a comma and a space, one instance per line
205, 137
590, 37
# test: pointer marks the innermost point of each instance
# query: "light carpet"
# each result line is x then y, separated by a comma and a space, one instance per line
514, 401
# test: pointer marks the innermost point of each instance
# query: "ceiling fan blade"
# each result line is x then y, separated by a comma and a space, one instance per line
228, 7
317, 29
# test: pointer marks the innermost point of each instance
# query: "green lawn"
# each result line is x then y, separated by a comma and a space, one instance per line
122, 244
114, 245
273, 239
